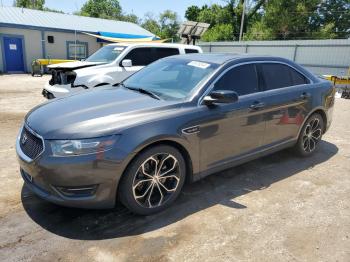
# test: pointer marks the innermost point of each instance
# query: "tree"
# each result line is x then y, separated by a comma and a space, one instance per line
108, 9
192, 13
169, 25
52, 10
219, 32
32, 4
259, 31
151, 24
333, 16
222, 18
166, 25
131, 18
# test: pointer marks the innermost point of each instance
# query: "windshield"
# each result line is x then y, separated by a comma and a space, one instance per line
106, 54
171, 78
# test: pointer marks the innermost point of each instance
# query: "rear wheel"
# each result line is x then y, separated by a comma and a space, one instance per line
153, 180
310, 135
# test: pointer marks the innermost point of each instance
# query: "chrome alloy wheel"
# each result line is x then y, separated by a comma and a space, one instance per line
156, 180
312, 135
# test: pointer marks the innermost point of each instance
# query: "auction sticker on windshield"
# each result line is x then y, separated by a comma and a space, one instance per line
119, 48
198, 64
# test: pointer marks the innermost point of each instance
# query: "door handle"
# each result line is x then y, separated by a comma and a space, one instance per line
257, 105
305, 95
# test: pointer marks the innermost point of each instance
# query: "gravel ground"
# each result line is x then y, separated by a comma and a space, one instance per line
278, 208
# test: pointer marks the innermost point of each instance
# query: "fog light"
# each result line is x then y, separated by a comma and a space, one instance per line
81, 191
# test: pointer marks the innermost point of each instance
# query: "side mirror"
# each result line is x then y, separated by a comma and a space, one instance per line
126, 63
221, 97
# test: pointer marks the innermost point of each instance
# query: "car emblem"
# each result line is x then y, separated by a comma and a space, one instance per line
24, 139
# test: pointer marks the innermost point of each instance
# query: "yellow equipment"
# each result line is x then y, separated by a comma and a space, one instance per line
339, 80
50, 61
342, 82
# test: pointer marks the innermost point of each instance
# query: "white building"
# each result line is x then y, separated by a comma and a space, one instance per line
27, 34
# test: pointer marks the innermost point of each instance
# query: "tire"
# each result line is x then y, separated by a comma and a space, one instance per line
310, 136
148, 187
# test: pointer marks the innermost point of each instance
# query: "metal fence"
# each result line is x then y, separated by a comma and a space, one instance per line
319, 56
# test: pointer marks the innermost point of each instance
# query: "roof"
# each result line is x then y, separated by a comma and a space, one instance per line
157, 44
222, 58
17, 16
216, 58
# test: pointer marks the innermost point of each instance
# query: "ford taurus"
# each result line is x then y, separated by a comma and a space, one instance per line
180, 118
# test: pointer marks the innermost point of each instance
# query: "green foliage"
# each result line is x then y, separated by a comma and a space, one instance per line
32, 4
215, 14
169, 25
289, 19
131, 18
259, 31
219, 32
151, 24
333, 14
108, 9
326, 32
192, 13
52, 10
223, 18
165, 26
275, 19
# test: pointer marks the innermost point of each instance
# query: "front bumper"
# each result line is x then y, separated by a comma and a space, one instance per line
88, 181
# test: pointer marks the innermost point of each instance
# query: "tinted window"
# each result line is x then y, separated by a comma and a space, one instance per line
242, 79
297, 78
278, 76
190, 51
164, 52
275, 76
145, 55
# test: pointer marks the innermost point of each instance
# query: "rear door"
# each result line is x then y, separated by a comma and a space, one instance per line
231, 130
287, 101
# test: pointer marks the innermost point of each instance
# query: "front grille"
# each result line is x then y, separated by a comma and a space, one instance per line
31, 145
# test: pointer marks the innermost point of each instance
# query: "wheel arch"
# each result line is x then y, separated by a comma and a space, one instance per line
186, 155
318, 110
324, 117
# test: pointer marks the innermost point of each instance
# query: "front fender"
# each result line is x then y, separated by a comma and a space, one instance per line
99, 79
134, 140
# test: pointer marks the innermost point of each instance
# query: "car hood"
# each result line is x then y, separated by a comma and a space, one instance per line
73, 65
101, 112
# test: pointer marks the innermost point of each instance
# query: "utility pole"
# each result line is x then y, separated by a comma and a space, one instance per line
242, 21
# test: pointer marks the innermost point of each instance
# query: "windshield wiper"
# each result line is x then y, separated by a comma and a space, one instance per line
143, 91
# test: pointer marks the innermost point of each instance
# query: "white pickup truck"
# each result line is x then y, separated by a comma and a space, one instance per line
109, 65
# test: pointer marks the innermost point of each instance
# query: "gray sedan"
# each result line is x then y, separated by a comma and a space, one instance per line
179, 119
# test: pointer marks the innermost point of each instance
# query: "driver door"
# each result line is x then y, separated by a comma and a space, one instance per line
231, 131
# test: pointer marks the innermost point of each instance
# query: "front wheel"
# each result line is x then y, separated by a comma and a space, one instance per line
153, 180
310, 135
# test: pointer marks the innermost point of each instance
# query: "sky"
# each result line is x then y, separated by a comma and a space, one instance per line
138, 7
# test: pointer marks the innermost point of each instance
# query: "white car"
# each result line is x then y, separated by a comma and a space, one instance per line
109, 65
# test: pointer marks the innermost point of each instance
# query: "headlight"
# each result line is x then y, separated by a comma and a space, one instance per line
83, 146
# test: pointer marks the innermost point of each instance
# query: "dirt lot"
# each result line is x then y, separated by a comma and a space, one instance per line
278, 208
